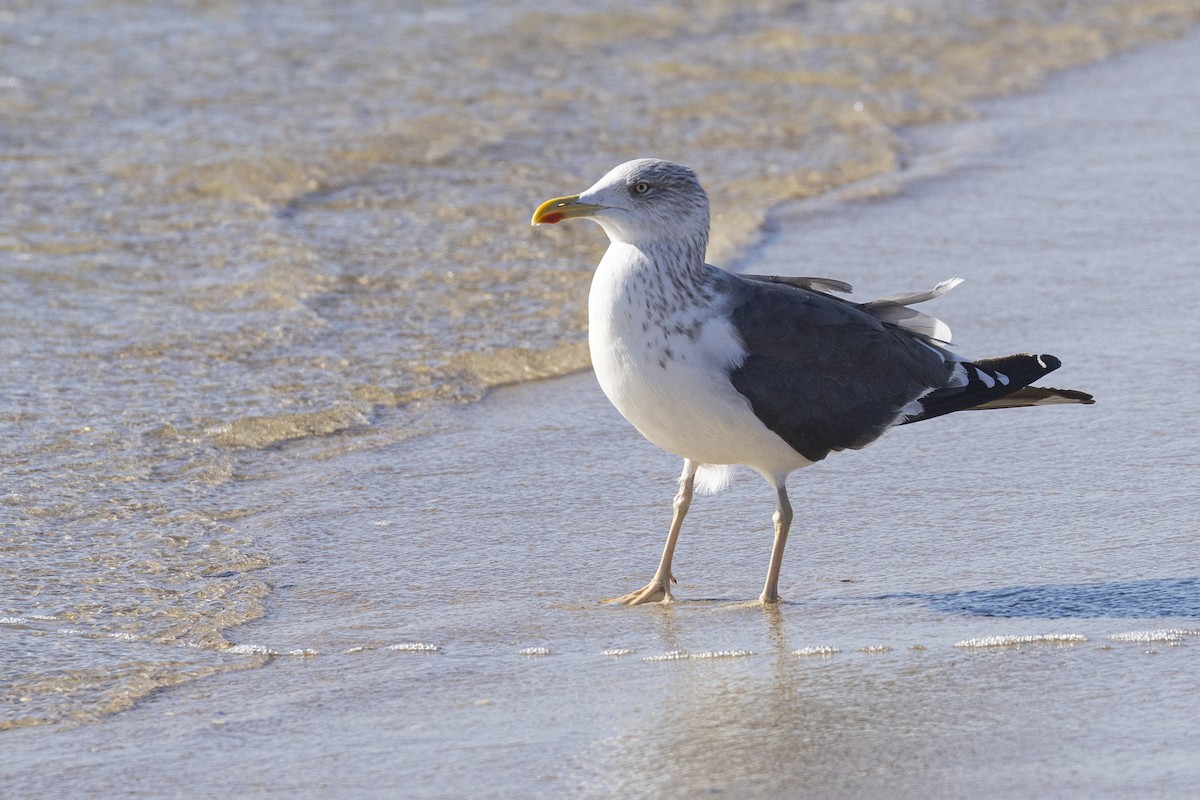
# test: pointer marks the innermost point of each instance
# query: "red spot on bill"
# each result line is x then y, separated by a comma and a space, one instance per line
552, 217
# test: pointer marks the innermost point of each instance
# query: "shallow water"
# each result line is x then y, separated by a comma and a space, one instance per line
227, 310
240, 241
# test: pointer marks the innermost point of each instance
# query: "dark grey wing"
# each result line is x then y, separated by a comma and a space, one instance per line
821, 372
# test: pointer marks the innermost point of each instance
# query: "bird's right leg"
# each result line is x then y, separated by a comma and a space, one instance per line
783, 523
659, 587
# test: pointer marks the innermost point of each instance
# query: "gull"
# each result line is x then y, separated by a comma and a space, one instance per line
773, 373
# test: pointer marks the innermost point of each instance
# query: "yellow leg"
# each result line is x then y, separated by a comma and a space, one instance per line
659, 587
783, 521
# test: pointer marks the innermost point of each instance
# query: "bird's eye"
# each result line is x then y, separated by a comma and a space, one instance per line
641, 187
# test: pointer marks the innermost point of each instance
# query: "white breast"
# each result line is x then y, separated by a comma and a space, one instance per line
665, 366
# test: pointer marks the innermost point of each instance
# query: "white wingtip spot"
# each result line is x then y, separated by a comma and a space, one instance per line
958, 378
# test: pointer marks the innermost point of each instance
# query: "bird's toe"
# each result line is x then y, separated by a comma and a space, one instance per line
656, 591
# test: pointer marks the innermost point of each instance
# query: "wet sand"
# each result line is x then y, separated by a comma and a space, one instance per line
1013, 597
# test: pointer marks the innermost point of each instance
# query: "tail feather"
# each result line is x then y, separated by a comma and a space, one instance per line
998, 383
1037, 396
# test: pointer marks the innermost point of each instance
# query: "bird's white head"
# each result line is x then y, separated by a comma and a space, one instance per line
642, 202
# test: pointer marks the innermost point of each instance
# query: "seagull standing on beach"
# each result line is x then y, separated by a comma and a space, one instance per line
770, 372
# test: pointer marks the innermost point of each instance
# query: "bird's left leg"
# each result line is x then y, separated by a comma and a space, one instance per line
659, 587
783, 522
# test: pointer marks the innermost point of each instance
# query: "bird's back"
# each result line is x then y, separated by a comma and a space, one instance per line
824, 373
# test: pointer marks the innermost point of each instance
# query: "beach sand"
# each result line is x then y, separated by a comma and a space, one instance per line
992, 605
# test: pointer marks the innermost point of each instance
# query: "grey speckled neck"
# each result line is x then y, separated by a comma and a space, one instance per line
671, 278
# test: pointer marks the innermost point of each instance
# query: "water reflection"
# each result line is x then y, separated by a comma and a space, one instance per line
884, 724
782, 726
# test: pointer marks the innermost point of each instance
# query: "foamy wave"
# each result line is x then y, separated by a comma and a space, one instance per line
1156, 635
724, 654
534, 651
518, 364
266, 431
816, 651
252, 649
1015, 641
414, 647
681, 655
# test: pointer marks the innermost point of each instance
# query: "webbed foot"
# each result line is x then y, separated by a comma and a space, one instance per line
656, 591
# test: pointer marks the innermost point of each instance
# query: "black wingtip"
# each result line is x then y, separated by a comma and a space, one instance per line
1003, 382
1051, 362
1074, 395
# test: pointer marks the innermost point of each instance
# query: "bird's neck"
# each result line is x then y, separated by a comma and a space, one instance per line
679, 262
660, 280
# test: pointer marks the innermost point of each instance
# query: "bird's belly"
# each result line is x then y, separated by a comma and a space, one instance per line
676, 391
